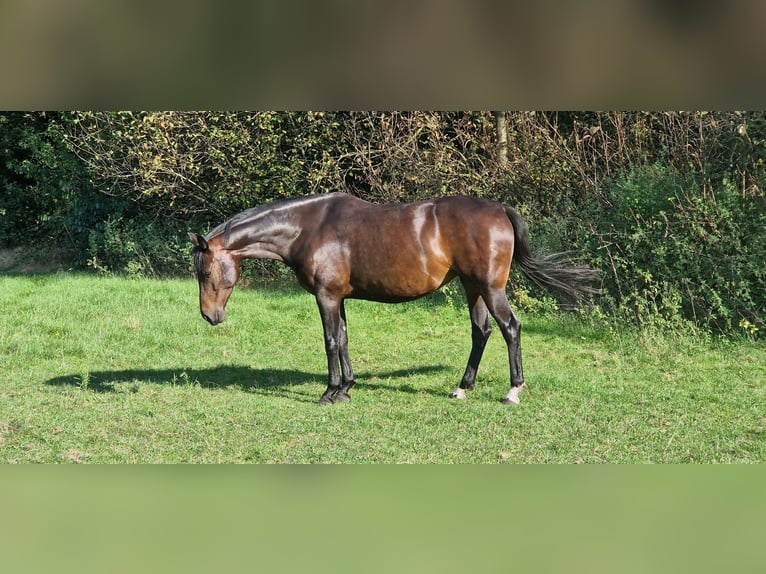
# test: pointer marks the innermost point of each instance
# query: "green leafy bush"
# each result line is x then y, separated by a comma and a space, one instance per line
668, 205
38, 178
671, 251
137, 248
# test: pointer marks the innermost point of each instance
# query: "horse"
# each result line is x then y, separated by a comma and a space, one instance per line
340, 246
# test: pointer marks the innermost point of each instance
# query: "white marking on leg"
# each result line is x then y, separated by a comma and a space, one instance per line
458, 393
513, 396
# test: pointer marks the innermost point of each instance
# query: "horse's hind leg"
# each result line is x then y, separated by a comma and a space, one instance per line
510, 326
481, 329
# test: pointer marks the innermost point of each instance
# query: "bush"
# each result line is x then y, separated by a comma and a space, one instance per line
668, 205
191, 165
38, 179
138, 248
671, 251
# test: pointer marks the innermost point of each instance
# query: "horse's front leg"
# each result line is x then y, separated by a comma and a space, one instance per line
336, 347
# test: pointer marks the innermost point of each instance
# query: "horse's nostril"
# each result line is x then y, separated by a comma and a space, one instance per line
217, 317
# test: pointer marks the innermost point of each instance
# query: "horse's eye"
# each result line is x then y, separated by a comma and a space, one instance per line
207, 274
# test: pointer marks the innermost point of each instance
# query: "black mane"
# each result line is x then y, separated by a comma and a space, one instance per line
253, 213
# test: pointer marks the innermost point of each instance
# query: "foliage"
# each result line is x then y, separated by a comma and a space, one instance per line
670, 251
668, 205
211, 163
200, 165
137, 248
38, 178
407, 156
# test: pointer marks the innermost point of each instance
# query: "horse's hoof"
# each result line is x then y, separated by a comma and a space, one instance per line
325, 401
512, 398
341, 398
458, 394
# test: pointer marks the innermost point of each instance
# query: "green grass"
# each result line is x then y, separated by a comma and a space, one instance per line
125, 370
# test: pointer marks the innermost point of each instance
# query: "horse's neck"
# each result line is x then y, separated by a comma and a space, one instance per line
268, 237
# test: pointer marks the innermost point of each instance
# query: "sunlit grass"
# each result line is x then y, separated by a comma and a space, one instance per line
118, 370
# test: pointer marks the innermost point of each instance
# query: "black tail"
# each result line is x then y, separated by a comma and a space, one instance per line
549, 271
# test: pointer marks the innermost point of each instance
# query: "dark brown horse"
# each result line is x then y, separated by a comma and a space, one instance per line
340, 246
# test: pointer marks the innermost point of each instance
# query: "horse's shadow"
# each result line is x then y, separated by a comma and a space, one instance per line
263, 381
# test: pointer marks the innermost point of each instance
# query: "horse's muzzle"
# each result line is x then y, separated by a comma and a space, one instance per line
218, 316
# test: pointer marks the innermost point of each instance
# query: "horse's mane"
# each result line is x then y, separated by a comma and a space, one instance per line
253, 213
241, 217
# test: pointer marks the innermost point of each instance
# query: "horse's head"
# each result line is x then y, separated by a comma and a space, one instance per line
217, 272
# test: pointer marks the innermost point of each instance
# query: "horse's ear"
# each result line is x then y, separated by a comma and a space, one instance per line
199, 241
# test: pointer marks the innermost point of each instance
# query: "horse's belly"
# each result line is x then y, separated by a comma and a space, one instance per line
398, 283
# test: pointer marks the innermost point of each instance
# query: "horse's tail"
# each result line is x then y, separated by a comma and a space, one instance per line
549, 271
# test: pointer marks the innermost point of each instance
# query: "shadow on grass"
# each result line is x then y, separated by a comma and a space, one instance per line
263, 381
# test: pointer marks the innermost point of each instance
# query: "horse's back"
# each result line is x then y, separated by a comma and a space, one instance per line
398, 252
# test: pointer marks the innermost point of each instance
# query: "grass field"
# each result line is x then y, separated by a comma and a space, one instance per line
112, 370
